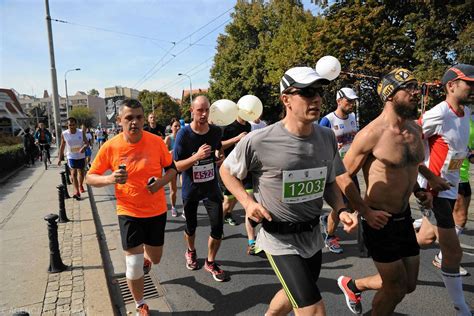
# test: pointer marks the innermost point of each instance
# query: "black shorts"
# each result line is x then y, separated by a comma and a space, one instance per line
464, 189
248, 186
394, 241
298, 276
443, 212
136, 231
214, 211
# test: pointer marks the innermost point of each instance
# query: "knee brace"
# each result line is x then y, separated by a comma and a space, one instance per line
134, 266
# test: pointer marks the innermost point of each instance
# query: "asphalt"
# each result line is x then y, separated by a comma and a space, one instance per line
93, 284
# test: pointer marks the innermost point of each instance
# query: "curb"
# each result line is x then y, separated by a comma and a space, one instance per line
102, 248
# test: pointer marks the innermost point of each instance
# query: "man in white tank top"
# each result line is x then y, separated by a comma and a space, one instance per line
344, 125
75, 143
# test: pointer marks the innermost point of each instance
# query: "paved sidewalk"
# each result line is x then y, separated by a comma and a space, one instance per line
25, 199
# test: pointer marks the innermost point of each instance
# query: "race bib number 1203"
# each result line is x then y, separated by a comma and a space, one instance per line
303, 185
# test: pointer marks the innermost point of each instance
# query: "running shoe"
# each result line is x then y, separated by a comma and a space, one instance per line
173, 212
217, 273
143, 310
228, 219
147, 266
352, 299
437, 264
332, 242
191, 260
82, 189
324, 225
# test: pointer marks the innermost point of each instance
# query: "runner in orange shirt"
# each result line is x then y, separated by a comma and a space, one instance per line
137, 159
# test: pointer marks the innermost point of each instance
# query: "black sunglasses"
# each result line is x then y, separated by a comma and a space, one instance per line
308, 92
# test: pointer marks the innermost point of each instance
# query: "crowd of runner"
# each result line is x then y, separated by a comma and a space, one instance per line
281, 173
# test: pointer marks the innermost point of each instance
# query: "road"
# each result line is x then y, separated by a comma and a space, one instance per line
253, 283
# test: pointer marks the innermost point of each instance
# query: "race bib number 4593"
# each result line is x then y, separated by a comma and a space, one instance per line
303, 185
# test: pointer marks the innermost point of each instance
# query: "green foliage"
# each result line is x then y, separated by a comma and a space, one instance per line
263, 40
368, 37
11, 157
165, 107
83, 115
93, 92
9, 140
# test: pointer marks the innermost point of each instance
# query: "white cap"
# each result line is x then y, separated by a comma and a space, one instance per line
300, 77
347, 93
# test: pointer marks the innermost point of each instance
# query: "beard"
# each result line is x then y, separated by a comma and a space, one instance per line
406, 112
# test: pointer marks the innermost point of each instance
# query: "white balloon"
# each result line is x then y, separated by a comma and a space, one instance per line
223, 112
328, 67
250, 107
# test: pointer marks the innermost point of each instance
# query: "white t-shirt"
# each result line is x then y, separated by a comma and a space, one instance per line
446, 137
74, 143
258, 125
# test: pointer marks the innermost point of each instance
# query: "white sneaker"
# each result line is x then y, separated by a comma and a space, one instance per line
173, 212
437, 264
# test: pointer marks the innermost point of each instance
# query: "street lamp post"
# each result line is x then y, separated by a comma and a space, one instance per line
65, 84
190, 87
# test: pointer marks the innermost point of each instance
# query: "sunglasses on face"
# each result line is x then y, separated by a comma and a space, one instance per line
308, 92
410, 87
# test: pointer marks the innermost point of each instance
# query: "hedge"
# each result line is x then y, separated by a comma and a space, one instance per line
11, 157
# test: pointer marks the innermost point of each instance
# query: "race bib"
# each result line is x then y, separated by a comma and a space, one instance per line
454, 161
303, 185
75, 149
203, 173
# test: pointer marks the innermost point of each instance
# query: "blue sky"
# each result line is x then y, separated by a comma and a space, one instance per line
107, 58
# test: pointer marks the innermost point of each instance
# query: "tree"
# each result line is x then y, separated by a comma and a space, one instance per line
373, 37
83, 115
165, 108
261, 43
93, 92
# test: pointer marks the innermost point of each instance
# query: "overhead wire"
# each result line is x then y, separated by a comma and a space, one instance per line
179, 53
144, 77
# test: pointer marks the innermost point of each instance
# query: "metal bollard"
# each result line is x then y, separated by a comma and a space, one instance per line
64, 182
62, 206
55, 263
68, 173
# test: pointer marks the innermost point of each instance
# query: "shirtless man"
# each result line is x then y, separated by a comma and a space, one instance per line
389, 151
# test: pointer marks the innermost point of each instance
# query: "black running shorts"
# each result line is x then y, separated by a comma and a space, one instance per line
464, 189
443, 212
298, 276
136, 231
396, 240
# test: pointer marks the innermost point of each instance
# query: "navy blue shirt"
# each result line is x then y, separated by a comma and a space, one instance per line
200, 180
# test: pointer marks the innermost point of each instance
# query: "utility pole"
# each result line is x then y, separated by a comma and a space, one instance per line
54, 81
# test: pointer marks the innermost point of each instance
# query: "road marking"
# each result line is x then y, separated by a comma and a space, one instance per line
467, 246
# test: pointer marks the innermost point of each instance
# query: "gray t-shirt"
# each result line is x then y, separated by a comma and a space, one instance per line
273, 156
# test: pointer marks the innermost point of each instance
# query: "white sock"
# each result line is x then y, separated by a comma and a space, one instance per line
453, 283
140, 302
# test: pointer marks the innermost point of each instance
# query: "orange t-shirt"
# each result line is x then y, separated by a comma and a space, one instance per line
143, 160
